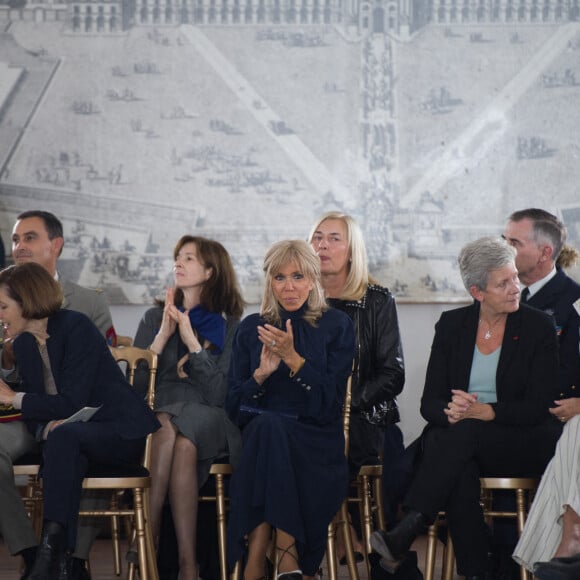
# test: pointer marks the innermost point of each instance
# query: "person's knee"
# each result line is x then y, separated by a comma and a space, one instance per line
184, 446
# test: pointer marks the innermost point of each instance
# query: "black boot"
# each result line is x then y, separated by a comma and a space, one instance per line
393, 545
64, 566
29, 556
50, 552
78, 569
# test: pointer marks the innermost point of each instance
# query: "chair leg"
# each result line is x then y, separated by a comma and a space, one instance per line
367, 528
115, 535
331, 550
147, 565
378, 496
150, 541
521, 516
221, 523
448, 560
431, 551
235, 575
349, 549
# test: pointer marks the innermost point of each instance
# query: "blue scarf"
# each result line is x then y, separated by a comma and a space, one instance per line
209, 326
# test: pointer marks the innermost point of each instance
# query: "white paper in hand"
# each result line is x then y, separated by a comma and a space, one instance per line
83, 414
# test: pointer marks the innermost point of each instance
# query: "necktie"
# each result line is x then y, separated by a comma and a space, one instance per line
525, 294
49, 384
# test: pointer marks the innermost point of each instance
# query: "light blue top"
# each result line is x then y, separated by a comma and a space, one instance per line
482, 377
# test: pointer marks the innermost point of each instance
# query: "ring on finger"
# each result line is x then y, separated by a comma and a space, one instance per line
273, 343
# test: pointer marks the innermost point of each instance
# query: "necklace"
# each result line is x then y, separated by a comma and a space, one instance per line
489, 332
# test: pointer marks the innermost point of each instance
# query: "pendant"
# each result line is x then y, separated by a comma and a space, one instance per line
487, 335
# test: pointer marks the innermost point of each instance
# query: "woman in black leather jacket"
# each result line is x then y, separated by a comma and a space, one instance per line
379, 372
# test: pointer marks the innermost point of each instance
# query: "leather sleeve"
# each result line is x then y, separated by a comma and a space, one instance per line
382, 367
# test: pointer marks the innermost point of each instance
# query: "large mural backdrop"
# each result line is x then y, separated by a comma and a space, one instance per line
137, 121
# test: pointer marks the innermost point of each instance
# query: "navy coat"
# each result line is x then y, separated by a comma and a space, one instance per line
85, 374
556, 298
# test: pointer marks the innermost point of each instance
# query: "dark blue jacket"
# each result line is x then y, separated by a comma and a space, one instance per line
556, 298
85, 374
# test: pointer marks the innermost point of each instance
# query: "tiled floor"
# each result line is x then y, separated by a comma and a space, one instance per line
102, 565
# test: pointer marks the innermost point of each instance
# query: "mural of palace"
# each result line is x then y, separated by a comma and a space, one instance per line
223, 116
399, 17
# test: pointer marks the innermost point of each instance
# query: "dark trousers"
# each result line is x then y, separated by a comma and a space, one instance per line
453, 460
66, 455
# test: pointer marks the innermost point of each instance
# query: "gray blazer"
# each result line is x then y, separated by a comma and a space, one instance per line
90, 302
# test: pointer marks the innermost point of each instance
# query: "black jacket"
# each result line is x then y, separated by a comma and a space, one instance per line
557, 299
527, 371
380, 373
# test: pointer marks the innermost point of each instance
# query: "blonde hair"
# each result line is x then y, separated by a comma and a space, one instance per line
568, 257
277, 257
358, 277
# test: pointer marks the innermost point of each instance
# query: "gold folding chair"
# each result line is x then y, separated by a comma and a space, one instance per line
137, 482
124, 340
341, 521
219, 471
31, 491
524, 488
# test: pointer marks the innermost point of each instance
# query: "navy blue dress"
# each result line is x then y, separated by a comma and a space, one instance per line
293, 473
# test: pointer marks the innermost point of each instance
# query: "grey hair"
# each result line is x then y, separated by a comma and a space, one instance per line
546, 228
480, 257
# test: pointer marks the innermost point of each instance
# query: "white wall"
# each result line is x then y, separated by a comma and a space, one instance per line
417, 323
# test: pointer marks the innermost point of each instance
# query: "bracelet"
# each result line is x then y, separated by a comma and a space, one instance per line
302, 361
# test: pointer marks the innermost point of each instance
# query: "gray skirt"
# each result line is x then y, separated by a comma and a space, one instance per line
215, 437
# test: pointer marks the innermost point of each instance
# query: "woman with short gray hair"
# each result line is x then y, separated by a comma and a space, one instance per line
486, 399
477, 259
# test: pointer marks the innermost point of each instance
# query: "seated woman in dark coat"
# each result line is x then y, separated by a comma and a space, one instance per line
288, 375
492, 376
65, 364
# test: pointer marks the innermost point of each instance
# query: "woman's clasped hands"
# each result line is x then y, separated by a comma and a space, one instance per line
464, 405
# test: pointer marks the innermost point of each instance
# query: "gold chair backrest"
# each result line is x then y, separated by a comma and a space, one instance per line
133, 355
346, 414
124, 340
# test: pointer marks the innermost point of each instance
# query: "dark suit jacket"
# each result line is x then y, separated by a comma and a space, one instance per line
527, 372
85, 373
556, 298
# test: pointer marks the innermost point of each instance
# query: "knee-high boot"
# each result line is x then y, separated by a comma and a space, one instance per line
51, 552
